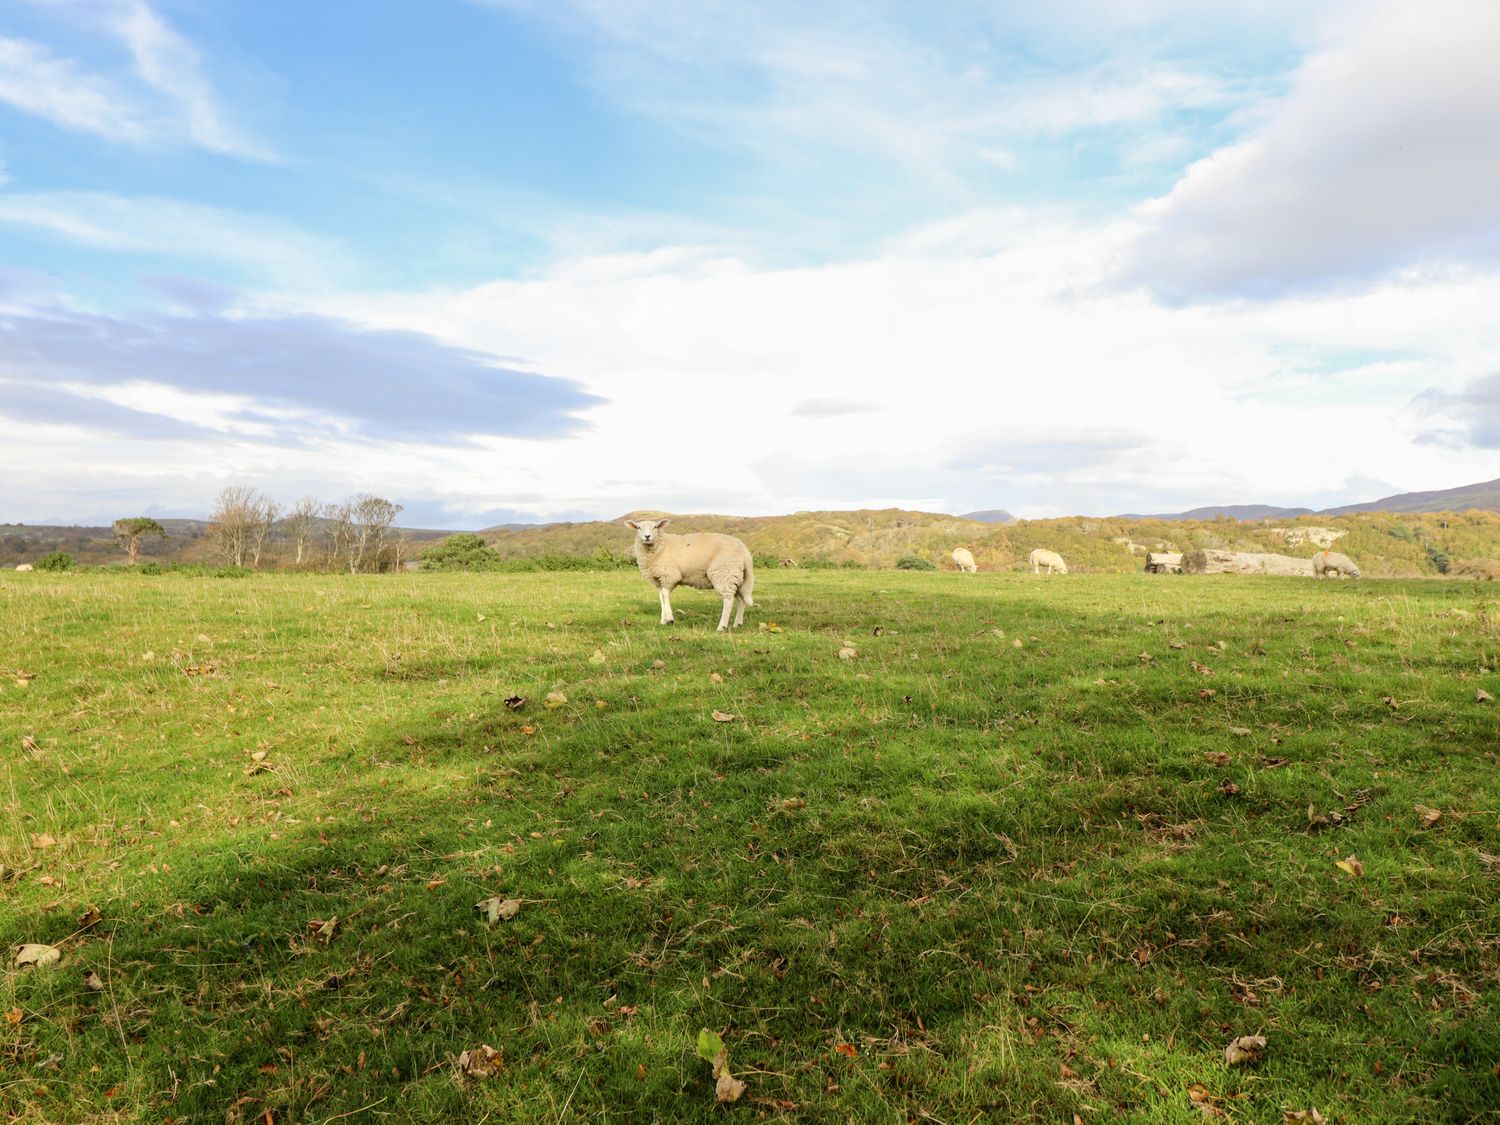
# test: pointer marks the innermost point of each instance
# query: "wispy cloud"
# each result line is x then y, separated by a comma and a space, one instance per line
1468, 418
163, 97
269, 249
832, 407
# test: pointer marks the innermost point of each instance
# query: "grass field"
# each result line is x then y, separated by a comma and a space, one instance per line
1040, 848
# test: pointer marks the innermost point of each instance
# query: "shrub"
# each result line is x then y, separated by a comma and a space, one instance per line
464, 551
912, 562
55, 560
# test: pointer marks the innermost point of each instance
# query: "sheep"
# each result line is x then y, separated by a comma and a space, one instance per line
704, 560
1334, 564
24, 567
964, 560
787, 563
1050, 559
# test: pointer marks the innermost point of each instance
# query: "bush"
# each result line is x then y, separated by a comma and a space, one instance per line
55, 560
602, 559
194, 570
464, 551
912, 562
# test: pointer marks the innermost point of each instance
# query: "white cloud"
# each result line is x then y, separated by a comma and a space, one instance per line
166, 97
36, 81
1385, 152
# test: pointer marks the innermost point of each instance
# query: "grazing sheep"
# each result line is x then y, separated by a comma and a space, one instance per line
704, 560
1050, 559
24, 567
965, 560
787, 562
1332, 564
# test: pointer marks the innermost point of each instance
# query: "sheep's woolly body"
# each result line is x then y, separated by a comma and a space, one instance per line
964, 560
1050, 559
1340, 565
704, 560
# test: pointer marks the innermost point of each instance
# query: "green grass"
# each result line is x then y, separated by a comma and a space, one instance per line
1017, 889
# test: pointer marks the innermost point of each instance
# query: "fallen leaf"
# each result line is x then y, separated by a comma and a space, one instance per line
434, 884
1202, 669
515, 702
498, 909
527, 728
1351, 865
1145, 658
658, 665
1311, 1116
1390, 702
597, 657
36, 955
554, 700
92, 982
723, 717
727, 1088
261, 766
323, 930
1176, 644
1216, 757
1245, 1049
1203, 1100
14, 1016
847, 653
715, 678
1272, 763
794, 803
28, 745
481, 1062
848, 1050
1428, 816
90, 917
42, 840
479, 617
1482, 696
879, 629
1206, 693
1240, 732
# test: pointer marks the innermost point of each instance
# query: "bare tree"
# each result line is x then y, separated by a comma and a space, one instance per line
338, 527
266, 511
300, 524
231, 527
370, 519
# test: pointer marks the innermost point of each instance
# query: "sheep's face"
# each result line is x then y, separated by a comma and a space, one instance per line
647, 532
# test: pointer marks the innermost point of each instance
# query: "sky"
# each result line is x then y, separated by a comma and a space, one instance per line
525, 260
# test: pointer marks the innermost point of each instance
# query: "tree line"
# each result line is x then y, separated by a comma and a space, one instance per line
355, 534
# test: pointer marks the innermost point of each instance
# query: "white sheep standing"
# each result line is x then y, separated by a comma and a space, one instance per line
24, 567
964, 560
1050, 559
705, 560
1334, 564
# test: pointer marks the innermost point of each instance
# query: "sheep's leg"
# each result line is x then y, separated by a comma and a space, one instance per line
665, 597
739, 610
724, 617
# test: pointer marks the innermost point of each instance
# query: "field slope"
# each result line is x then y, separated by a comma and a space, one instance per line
1039, 848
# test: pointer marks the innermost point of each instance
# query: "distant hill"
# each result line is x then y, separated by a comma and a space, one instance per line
989, 515
1484, 497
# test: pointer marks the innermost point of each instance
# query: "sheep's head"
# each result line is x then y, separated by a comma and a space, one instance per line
647, 532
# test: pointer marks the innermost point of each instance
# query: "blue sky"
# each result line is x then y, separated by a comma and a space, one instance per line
505, 259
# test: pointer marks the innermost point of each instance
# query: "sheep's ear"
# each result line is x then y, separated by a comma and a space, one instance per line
662, 523
632, 524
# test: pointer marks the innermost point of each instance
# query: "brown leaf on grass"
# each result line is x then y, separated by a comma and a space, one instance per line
481, 1062
1145, 658
1429, 817
847, 653
1311, 1116
434, 884
723, 717
323, 929
90, 917
92, 982
715, 678
1202, 669
597, 657
1351, 865
727, 1088
1272, 763
259, 766
527, 728
1216, 757
1176, 644
14, 1016
1229, 788
1203, 1100
1240, 732
41, 840
29, 746
35, 955
497, 909
1246, 1049
848, 1050
1482, 696
555, 700
878, 630
792, 803
515, 702
1206, 693
1390, 701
